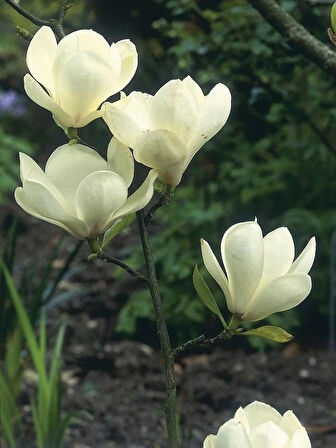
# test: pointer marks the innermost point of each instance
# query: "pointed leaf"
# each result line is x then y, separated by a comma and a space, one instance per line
117, 227
275, 334
205, 295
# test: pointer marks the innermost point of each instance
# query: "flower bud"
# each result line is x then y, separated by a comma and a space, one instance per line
259, 425
167, 129
261, 277
80, 191
78, 73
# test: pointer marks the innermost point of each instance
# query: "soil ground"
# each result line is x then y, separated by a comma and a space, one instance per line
119, 382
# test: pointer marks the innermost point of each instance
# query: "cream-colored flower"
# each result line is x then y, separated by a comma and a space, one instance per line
78, 73
80, 191
258, 425
167, 129
261, 277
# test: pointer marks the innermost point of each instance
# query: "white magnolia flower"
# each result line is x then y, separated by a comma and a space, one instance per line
80, 191
167, 129
78, 73
261, 277
259, 425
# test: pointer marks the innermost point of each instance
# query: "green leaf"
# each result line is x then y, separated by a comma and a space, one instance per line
205, 295
117, 227
275, 334
333, 17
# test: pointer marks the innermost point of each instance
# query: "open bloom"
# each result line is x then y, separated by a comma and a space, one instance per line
80, 191
167, 129
78, 74
261, 277
258, 425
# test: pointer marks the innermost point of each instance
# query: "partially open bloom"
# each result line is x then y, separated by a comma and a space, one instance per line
261, 277
258, 425
80, 191
167, 129
78, 74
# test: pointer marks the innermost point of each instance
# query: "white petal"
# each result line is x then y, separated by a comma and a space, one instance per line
305, 260
98, 196
214, 269
122, 126
278, 254
195, 89
300, 439
209, 441
243, 256
120, 160
29, 170
68, 165
40, 97
175, 109
290, 423
140, 198
258, 413
38, 201
83, 81
232, 435
40, 57
86, 119
281, 294
163, 151
213, 115
129, 62
85, 41
268, 435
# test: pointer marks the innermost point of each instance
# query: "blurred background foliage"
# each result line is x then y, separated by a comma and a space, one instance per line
275, 158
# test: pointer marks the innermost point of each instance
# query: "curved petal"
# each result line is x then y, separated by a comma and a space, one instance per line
300, 439
97, 197
88, 118
40, 97
40, 57
232, 435
122, 126
213, 115
214, 269
29, 170
140, 198
290, 423
120, 160
305, 260
195, 89
175, 109
281, 294
278, 254
257, 413
129, 61
243, 256
209, 442
38, 201
85, 41
163, 151
68, 165
268, 435
83, 82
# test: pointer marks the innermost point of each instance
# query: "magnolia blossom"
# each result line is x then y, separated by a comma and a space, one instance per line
258, 425
78, 73
261, 277
80, 191
167, 129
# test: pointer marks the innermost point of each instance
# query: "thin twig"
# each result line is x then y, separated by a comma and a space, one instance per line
201, 340
164, 199
296, 35
122, 265
162, 330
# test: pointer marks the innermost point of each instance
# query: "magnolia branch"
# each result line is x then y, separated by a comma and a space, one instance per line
296, 35
55, 24
103, 256
164, 199
202, 340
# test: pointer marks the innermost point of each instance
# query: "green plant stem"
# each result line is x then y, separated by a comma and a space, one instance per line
162, 330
